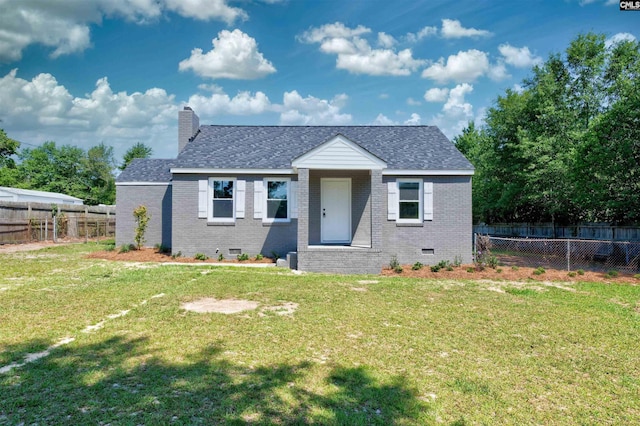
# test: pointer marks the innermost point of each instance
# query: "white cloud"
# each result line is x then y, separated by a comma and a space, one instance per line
205, 10
519, 57
423, 33
414, 120
355, 54
498, 72
383, 120
436, 94
234, 55
617, 38
452, 28
386, 41
518, 88
41, 109
464, 67
413, 102
456, 112
312, 111
244, 103
64, 26
383, 96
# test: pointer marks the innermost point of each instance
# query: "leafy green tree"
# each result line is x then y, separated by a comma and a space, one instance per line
98, 175
8, 147
52, 168
139, 150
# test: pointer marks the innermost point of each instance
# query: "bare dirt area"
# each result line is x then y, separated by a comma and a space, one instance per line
37, 245
147, 254
508, 273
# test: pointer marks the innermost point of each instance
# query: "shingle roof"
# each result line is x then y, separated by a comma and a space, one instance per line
274, 147
147, 170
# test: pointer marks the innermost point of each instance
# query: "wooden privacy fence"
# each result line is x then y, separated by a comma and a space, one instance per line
587, 231
26, 222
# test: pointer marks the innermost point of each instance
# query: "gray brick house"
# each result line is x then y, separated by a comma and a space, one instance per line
344, 198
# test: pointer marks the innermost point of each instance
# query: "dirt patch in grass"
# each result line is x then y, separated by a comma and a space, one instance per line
147, 254
228, 306
508, 273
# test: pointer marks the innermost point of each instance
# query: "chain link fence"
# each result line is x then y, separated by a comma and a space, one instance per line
567, 254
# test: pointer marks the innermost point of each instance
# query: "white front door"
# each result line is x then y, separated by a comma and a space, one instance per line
335, 210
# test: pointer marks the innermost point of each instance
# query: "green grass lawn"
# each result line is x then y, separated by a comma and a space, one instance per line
358, 350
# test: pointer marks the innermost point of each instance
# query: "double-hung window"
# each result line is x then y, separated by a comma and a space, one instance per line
277, 195
222, 199
409, 201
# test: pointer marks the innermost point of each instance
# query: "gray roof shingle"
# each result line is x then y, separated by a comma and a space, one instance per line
147, 170
274, 147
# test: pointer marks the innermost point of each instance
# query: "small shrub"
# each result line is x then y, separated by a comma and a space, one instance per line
162, 249
220, 257
471, 270
457, 261
539, 271
176, 255
572, 274
142, 219
126, 248
443, 264
259, 256
449, 268
200, 256
580, 271
417, 266
492, 261
398, 269
637, 276
515, 268
110, 247
613, 273
499, 270
242, 257
275, 255
393, 264
435, 268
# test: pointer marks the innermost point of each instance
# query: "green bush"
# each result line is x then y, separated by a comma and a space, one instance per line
200, 256
398, 269
435, 268
393, 264
499, 270
417, 266
613, 273
259, 256
220, 257
571, 274
110, 247
471, 270
457, 261
539, 271
142, 219
449, 268
126, 248
176, 255
580, 271
492, 261
242, 257
515, 268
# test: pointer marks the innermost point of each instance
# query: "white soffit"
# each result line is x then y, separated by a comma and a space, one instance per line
339, 153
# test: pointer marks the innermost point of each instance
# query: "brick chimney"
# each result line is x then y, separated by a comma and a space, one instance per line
188, 124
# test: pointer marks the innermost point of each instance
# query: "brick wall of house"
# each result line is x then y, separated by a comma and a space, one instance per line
157, 199
449, 234
191, 235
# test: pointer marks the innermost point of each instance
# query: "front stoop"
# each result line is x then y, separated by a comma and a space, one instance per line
291, 261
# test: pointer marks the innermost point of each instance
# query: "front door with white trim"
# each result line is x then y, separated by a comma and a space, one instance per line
335, 210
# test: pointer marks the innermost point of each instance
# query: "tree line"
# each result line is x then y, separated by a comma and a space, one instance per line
89, 175
566, 147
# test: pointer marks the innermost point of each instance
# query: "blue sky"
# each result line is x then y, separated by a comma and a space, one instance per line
83, 72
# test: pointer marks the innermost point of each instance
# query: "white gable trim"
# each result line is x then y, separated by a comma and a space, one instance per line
339, 153
143, 183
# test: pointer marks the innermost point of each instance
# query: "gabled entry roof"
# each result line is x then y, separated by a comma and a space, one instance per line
339, 153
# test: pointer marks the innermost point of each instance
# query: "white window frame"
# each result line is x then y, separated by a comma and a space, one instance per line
420, 183
210, 217
265, 198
